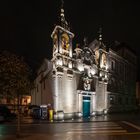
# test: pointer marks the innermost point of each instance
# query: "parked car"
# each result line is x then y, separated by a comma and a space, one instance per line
6, 114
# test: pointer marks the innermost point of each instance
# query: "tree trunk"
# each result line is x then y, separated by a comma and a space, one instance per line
18, 116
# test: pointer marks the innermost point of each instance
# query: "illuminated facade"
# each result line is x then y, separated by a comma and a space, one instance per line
89, 81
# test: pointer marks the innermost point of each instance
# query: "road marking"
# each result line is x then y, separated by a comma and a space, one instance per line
102, 123
103, 134
99, 125
132, 125
106, 128
96, 128
97, 132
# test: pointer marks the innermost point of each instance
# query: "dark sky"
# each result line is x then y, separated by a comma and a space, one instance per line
26, 26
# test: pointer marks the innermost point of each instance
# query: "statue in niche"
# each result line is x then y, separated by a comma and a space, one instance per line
97, 57
65, 42
104, 59
86, 84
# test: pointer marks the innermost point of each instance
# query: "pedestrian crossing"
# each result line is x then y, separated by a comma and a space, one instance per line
98, 128
131, 124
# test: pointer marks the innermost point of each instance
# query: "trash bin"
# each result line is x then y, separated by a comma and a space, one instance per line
50, 114
36, 113
43, 111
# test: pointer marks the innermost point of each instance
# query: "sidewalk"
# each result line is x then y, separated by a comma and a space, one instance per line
109, 117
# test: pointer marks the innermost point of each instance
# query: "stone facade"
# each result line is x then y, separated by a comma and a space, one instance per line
122, 82
91, 80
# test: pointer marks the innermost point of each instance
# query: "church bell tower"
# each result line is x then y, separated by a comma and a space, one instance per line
63, 72
62, 42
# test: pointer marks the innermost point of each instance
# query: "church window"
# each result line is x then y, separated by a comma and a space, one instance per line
120, 100
112, 65
112, 100
55, 43
104, 59
96, 56
8, 100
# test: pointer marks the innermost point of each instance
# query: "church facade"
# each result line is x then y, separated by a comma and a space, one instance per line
88, 81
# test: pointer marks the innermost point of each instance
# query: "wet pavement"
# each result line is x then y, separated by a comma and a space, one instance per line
75, 131
111, 127
110, 117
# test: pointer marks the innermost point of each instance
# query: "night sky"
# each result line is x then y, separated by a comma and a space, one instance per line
26, 26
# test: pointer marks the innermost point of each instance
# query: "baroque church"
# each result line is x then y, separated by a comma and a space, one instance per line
91, 80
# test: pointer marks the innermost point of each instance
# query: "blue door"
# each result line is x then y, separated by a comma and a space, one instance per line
86, 106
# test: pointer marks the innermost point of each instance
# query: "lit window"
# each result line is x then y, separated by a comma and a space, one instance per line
112, 101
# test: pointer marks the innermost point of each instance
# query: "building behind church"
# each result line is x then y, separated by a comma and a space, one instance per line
91, 80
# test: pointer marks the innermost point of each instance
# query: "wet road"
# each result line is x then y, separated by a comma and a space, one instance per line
95, 130
78, 131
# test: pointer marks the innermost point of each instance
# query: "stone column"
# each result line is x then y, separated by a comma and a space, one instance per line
55, 93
